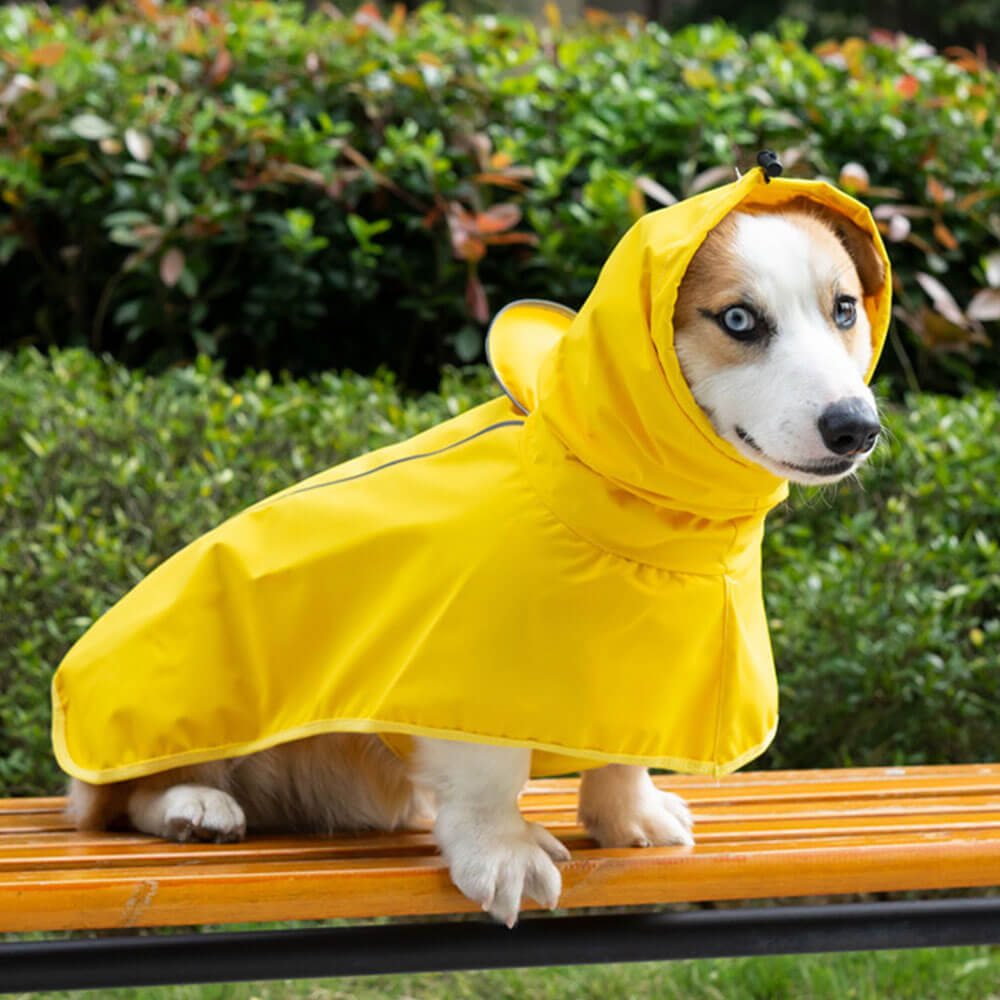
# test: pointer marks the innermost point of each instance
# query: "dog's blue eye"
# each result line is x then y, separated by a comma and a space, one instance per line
739, 321
845, 312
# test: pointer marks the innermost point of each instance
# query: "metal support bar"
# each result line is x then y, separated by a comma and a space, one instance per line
105, 963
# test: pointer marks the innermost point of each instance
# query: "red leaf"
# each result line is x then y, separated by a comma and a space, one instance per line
47, 55
475, 299
398, 18
368, 11
528, 238
367, 16
973, 198
945, 236
222, 64
938, 191
498, 219
469, 248
879, 36
430, 219
171, 266
500, 180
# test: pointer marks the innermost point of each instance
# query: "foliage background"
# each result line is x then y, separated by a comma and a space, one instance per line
283, 191
970, 23
883, 595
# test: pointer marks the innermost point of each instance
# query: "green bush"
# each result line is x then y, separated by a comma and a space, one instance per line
884, 596
327, 192
971, 23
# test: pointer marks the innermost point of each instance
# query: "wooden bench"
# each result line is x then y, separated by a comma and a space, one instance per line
759, 835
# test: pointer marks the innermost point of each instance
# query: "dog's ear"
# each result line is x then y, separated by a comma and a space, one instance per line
859, 245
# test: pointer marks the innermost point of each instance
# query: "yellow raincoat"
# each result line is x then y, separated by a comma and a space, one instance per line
573, 567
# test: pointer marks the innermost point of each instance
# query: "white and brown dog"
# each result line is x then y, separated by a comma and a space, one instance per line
774, 345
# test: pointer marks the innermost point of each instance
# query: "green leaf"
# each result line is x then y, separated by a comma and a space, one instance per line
468, 343
91, 126
33, 443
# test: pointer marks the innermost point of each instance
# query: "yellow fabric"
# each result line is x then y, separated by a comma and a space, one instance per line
583, 580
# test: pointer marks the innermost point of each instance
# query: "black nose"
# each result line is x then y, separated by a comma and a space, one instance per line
849, 427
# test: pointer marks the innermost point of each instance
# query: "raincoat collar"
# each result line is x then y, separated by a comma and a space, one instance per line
614, 442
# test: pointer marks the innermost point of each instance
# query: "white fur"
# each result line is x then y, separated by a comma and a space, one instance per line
187, 812
494, 855
621, 807
778, 395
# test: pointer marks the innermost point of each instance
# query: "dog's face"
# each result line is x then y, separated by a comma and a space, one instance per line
774, 343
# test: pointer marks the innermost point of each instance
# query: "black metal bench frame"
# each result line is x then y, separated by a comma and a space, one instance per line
158, 959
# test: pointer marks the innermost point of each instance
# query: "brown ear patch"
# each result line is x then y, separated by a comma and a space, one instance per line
858, 244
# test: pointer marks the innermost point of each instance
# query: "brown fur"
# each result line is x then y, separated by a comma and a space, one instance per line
339, 781
715, 278
858, 244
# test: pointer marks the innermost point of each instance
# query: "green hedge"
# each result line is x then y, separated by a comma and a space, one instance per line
884, 596
337, 192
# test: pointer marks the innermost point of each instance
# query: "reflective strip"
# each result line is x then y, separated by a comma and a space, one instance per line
408, 458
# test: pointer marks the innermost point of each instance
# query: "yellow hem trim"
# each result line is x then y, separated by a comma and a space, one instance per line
144, 768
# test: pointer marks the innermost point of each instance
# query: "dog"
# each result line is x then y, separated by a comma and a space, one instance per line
774, 344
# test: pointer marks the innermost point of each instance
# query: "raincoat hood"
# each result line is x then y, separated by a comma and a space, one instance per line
573, 568
605, 385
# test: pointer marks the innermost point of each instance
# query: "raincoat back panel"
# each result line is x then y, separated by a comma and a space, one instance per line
435, 596
198, 660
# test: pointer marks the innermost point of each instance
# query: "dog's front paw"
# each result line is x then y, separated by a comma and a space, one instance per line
194, 812
651, 819
496, 868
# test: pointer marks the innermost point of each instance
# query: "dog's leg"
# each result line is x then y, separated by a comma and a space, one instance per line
186, 812
621, 807
495, 857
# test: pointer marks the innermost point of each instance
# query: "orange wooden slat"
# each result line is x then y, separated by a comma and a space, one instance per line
933, 774
758, 835
41, 822
418, 886
51, 804
714, 824
157, 853
723, 791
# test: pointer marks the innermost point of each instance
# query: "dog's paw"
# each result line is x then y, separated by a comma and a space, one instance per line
193, 812
652, 819
497, 868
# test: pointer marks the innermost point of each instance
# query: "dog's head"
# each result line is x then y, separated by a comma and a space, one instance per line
774, 343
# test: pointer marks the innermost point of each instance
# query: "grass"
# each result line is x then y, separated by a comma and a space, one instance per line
928, 974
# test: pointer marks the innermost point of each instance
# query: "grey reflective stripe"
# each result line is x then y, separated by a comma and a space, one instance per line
410, 458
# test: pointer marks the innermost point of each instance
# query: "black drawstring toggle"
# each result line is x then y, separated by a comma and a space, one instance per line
768, 161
